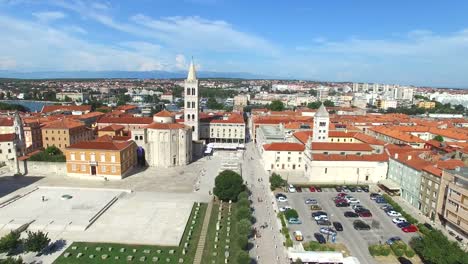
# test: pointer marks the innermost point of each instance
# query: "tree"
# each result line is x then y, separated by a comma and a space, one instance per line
67, 99
53, 151
291, 213
243, 203
243, 241
276, 105
434, 247
243, 258
213, 104
439, 138
313, 92
36, 241
11, 260
276, 181
328, 103
244, 227
228, 185
298, 261
314, 105
243, 213
10, 242
243, 195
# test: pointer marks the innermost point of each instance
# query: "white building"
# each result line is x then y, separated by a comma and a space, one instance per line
191, 110
321, 124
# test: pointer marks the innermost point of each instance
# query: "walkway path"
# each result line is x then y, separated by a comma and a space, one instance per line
202, 240
268, 248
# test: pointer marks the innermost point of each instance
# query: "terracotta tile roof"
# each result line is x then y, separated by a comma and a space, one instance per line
337, 157
413, 160
63, 124
233, 118
113, 127
341, 134
450, 164
127, 107
166, 126
53, 108
303, 136
125, 120
164, 113
284, 146
341, 146
433, 170
368, 139
7, 121
454, 133
7, 137
393, 149
102, 143
402, 136
91, 115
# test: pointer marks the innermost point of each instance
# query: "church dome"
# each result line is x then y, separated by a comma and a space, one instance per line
164, 117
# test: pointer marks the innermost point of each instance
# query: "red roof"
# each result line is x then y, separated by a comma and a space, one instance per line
7, 137
341, 134
166, 126
164, 113
338, 157
63, 124
8, 121
284, 146
341, 146
53, 108
303, 136
368, 139
125, 120
102, 143
113, 127
127, 107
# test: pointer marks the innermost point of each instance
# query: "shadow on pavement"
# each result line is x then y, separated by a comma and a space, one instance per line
9, 184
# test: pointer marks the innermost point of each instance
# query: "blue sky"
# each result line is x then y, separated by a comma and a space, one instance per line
408, 42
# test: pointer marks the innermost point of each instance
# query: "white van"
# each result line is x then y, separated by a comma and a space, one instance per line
291, 188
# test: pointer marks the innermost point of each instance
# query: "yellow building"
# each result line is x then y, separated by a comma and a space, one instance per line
64, 132
101, 158
427, 105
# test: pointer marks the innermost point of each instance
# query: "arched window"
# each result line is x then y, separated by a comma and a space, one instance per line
193, 128
193, 116
193, 91
188, 91
141, 137
188, 104
188, 116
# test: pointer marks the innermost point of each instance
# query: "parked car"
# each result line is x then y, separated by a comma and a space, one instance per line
356, 206
403, 224
410, 229
338, 189
365, 189
361, 210
327, 231
361, 225
365, 214
321, 217
282, 199
393, 240
387, 207
352, 189
341, 194
323, 222
314, 214
319, 189
399, 220
353, 201
393, 213
312, 189
298, 235
291, 188
315, 207
350, 214
338, 226
311, 201
358, 189
294, 221
341, 204
380, 200
404, 260
428, 226
320, 238
285, 208
278, 195
374, 196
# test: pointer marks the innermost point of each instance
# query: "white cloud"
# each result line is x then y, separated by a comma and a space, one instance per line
181, 62
7, 63
48, 16
54, 49
75, 29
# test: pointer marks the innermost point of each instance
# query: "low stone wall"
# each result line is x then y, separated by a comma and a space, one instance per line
40, 168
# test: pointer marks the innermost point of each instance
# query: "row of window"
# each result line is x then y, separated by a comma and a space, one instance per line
191, 90
113, 169
92, 157
191, 105
289, 159
193, 116
1, 151
283, 166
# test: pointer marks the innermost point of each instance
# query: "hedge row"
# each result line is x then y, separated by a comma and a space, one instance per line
398, 208
379, 250
285, 230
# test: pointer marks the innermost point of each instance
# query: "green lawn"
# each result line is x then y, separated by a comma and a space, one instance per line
234, 249
137, 251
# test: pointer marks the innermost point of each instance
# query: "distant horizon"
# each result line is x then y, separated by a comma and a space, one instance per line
32, 75
422, 44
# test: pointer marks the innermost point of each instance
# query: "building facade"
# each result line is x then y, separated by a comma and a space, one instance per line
64, 132
191, 103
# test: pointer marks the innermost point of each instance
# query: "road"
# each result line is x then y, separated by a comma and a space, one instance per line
268, 248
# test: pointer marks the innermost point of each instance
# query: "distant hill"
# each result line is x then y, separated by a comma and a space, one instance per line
125, 74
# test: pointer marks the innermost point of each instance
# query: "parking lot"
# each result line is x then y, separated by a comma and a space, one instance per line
382, 227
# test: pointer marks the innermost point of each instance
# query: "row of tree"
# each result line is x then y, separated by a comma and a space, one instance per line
35, 242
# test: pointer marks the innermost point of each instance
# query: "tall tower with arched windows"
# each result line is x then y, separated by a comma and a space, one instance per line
191, 102
321, 123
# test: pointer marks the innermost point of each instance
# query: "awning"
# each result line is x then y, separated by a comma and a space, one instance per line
390, 184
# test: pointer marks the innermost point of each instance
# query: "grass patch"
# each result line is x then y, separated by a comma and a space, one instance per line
211, 253
138, 251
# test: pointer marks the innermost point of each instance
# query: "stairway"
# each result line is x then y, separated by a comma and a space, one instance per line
201, 242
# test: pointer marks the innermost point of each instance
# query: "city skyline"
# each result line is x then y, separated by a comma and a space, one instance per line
404, 43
